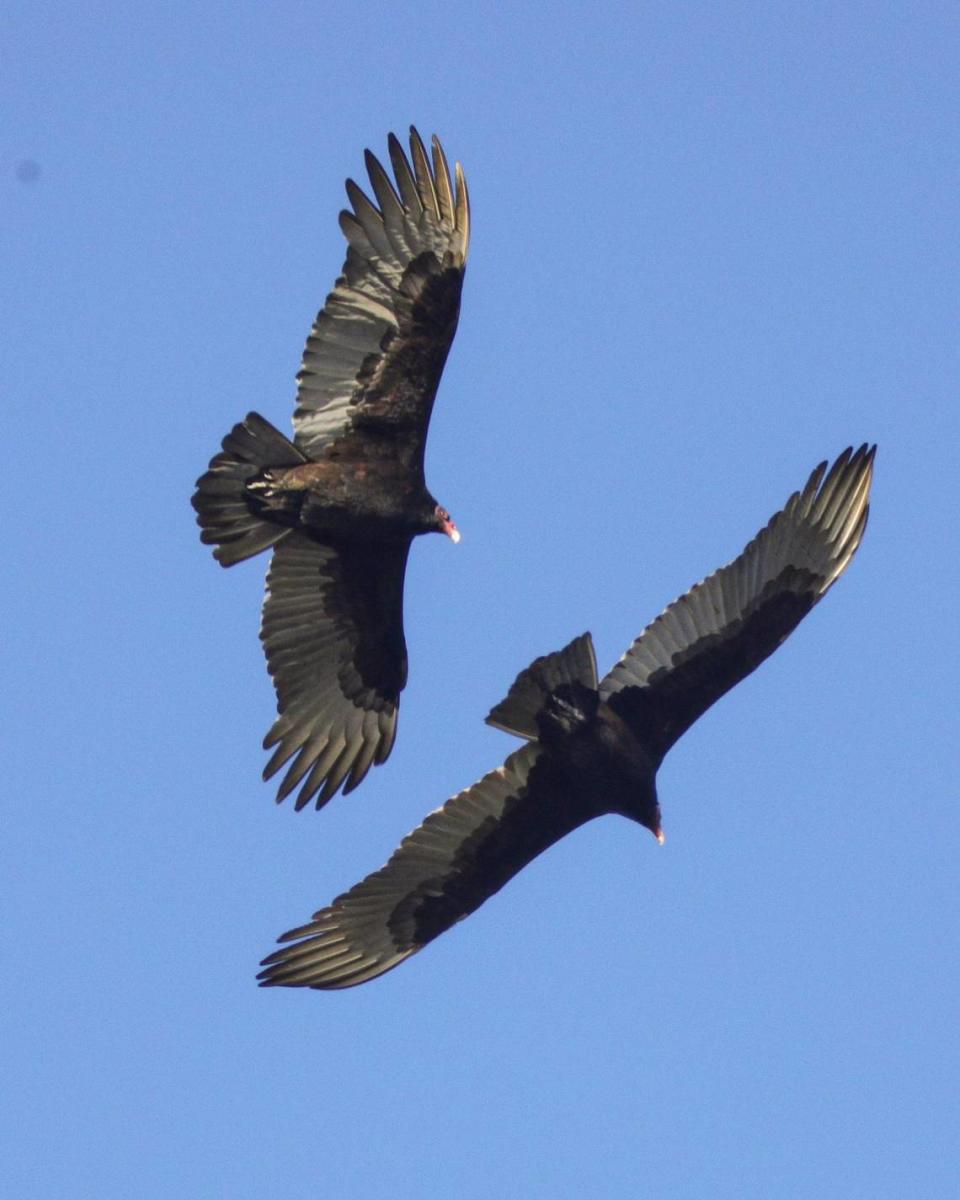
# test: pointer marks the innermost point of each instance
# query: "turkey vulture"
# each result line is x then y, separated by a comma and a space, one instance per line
341, 503
591, 749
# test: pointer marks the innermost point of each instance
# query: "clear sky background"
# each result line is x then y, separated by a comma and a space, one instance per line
713, 244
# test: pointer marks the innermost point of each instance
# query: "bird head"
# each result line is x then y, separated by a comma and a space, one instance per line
444, 523
648, 811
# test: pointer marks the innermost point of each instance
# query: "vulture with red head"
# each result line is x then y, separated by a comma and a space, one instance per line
341, 503
591, 748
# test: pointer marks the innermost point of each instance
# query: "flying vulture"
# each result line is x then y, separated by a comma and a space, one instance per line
341, 503
591, 748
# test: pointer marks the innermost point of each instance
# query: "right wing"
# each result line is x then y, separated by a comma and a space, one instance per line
724, 627
373, 360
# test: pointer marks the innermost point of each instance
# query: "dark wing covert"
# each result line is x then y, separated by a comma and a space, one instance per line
724, 627
332, 631
445, 869
374, 357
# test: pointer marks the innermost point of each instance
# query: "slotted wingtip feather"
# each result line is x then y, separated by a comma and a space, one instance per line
455, 199
328, 960
463, 208
424, 181
800, 553
373, 927
840, 506
331, 726
420, 230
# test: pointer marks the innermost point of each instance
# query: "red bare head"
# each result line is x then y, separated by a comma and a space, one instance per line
445, 524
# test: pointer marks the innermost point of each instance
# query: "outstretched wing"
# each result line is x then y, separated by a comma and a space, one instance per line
461, 855
332, 631
374, 357
724, 627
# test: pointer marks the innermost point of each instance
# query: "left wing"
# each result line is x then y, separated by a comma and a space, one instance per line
332, 632
724, 627
461, 855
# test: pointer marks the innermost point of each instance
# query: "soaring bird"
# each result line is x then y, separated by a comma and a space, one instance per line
591, 748
342, 502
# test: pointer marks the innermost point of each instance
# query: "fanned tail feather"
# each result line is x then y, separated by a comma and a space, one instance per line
223, 510
575, 663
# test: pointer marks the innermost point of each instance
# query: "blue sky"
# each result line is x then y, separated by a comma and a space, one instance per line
713, 244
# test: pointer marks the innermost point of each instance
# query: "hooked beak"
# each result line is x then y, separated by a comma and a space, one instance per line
452, 532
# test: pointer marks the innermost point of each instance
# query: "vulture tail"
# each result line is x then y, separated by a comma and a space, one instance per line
575, 663
223, 510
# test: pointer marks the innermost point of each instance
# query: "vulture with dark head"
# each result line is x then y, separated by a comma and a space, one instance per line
591, 748
342, 502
